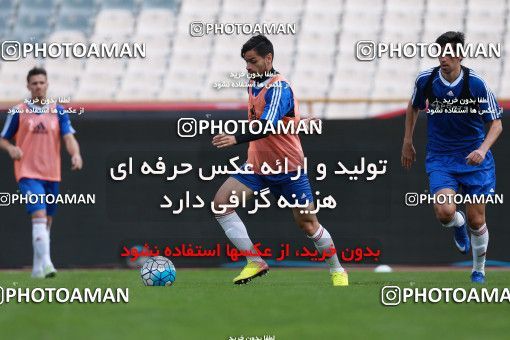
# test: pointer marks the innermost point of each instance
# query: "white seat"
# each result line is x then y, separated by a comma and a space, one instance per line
177, 92
303, 91
331, 6
477, 20
240, 17
495, 6
61, 85
93, 92
186, 44
151, 65
194, 6
284, 5
14, 94
67, 36
362, 20
237, 6
350, 37
15, 81
99, 79
155, 44
392, 90
156, 21
110, 67
136, 93
114, 21
20, 66
346, 111
317, 40
409, 7
138, 88
315, 20
109, 37
363, 5
320, 60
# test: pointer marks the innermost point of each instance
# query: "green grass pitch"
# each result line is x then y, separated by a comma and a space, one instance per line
287, 304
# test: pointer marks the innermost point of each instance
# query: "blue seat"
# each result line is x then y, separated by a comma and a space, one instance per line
168, 4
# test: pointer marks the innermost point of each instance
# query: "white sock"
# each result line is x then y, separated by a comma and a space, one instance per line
457, 221
479, 243
322, 240
41, 242
37, 263
237, 234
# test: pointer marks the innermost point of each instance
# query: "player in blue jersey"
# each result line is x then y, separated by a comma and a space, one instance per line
460, 107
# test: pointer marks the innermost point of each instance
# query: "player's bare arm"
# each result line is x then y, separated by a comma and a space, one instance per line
14, 152
408, 151
477, 156
73, 148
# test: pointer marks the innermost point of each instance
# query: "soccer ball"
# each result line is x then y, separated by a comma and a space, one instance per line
138, 263
158, 271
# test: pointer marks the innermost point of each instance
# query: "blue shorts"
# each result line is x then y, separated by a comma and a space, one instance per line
451, 171
29, 186
280, 185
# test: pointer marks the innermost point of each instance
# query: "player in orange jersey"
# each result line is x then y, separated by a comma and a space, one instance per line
37, 126
271, 100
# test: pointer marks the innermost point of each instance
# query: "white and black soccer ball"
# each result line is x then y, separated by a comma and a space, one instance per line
158, 271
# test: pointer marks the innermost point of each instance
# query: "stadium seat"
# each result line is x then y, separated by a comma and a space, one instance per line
155, 44
37, 5
326, 38
114, 22
62, 85
346, 111
230, 6
198, 6
170, 4
156, 21
152, 65
118, 4
111, 67
74, 21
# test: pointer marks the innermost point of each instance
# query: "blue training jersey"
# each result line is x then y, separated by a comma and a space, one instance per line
454, 126
279, 100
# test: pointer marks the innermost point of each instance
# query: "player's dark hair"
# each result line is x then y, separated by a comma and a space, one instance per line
451, 37
260, 44
34, 72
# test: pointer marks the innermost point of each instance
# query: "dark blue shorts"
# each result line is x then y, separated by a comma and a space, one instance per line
451, 171
280, 185
29, 186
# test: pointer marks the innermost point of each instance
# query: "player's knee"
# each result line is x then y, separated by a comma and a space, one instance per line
39, 214
475, 220
309, 227
219, 201
445, 213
